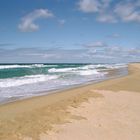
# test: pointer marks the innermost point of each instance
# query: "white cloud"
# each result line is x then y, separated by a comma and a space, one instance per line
128, 11
28, 22
92, 54
112, 12
98, 6
106, 3
88, 6
98, 44
107, 18
62, 21
100, 50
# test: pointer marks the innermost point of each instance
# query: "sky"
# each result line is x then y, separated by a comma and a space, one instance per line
69, 31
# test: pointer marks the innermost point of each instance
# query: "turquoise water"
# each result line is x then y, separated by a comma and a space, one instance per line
25, 80
16, 70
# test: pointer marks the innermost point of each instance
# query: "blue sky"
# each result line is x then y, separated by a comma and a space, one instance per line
93, 31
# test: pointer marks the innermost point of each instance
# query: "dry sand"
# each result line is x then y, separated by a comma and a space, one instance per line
109, 110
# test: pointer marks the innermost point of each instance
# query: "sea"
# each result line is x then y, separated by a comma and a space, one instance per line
19, 81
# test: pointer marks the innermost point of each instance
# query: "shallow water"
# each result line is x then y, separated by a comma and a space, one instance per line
19, 81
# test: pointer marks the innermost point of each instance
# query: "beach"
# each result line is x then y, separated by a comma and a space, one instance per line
106, 110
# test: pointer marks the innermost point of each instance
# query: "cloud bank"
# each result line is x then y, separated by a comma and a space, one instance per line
96, 53
111, 12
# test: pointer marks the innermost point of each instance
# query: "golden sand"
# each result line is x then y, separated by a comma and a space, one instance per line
106, 110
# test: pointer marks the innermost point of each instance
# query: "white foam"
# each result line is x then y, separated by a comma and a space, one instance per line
115, 66
14, 66
25, 66
52, 70
88, 67
43, 65
55, 78
88, 72
83, 71
37, 65
12, 82
106, 66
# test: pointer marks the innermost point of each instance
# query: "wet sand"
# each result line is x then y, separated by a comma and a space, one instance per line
106, 110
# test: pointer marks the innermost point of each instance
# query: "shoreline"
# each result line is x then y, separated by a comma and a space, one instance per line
55, 91
31, 117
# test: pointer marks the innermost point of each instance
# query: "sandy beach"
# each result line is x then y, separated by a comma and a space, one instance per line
109, 110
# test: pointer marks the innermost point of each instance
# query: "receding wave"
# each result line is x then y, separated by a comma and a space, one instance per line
26, 80
92, 72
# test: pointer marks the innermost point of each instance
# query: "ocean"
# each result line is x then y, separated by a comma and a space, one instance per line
18, 81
